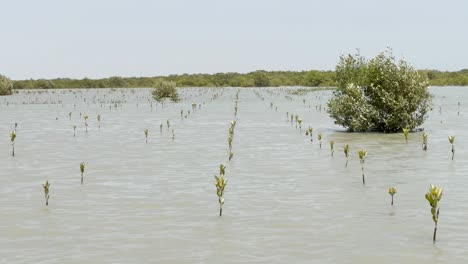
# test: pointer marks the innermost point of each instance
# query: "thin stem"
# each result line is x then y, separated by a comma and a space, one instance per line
363, 179
81, 178
346, 162
435, 232
392, 200
220, 210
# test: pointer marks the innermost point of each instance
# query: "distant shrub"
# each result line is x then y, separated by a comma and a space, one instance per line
6, 86
165, 89
261, 79
380, 94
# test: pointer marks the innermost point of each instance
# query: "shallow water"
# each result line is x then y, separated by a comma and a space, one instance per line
287, 200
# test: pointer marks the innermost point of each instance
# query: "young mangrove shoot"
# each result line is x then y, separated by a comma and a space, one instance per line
46, 186
452, 142
74, 130
12, 138
82, 168
346, 152
86, 122
424, 143
392, 191
309, 133
362, 157
319, 136
433, 196
99, 121
220, 185
405, 133
146, 134
332, 145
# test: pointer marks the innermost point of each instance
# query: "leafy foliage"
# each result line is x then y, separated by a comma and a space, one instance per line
6, 85
379, 94
164, 89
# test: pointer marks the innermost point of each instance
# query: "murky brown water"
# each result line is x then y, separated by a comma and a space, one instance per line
287, 200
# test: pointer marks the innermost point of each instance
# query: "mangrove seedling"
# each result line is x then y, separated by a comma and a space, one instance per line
86, 122
332, 144
146, 134
405, 133
392, 191
82, 168
299, 120
173, 134
230, 155
99, 121
424, 143
309, 132
12, 138
452, 141
74, 130
220, 185
69, 115
160, 127
362, 157
433, 196
346, 152
168, 123
319, 136
46, 186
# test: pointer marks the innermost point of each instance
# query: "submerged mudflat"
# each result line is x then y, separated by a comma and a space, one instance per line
287, 199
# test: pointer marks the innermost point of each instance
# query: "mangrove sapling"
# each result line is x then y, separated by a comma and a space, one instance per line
86, 123
12, 138
362, 157
433, 196
319, 136
99, 121
82, 169
309, 132
392, 191
146, 134
46, 186
424, 143
452, 141
405, 133
220, 185
332, 144
346, 152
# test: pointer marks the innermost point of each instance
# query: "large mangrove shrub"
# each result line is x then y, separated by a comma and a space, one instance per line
380, 94
6, 86
165, 89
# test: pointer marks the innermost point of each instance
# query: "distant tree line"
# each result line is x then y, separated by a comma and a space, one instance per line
253, 79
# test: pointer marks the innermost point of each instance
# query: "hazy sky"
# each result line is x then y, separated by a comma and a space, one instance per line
102, 38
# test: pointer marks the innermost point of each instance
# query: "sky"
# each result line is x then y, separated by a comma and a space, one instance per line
103, 38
